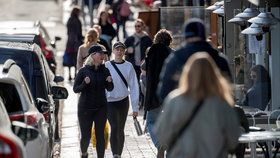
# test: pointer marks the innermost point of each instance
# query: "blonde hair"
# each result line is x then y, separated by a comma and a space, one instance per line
90, 61
201, 78
93, 33
140, 21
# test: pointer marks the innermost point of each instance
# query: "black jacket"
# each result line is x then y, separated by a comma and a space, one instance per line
93, 95
145, 42
175, 62
74, 32
154, 61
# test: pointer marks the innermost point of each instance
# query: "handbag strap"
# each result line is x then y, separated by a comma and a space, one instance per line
183, 128
119, 72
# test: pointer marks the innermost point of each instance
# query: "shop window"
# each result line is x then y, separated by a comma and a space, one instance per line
250, 65
182, 14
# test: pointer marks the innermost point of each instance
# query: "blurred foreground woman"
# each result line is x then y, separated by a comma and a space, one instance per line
213, 128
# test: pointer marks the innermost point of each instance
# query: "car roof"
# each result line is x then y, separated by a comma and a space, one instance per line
17, 38
20, 46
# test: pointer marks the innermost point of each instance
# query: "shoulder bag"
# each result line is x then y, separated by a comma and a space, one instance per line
185, 126
119, 72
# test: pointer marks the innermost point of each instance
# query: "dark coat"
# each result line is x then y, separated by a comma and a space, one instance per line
258, 96
105, 44
175, 62
74, 32
154, 61
145, 42
108, 29
93, 95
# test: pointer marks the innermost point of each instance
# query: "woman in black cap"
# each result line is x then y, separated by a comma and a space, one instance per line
91, 82
126, 84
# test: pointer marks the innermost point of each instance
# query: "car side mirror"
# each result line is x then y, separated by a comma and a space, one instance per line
58, 79
24, 132
59, 92
43, 104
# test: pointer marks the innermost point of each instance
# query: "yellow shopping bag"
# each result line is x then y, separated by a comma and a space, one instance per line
106, 136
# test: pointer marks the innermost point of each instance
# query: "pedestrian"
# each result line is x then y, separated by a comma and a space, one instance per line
156, 55
195, 41
259, 95
126, 86
91, 39
198, 119
136, 46
119, 18
108, 32
92, 80
102, 41
92, 7
75, 39
239, 69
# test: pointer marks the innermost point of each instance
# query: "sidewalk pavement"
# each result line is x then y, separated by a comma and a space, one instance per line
135, 146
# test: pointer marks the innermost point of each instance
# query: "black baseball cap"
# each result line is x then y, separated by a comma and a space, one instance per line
97, 49
195, 28
119, 44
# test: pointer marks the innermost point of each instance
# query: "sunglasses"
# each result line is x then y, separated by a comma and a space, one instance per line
137, 25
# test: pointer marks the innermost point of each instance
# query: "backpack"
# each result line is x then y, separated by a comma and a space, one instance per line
125, 9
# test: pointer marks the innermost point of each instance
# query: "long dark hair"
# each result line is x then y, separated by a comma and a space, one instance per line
75, 11
262, 74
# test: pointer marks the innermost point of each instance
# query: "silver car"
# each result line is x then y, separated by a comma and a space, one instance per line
20, 106
10, 144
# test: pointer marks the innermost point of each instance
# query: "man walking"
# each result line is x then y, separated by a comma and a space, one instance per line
137, 45
195, 39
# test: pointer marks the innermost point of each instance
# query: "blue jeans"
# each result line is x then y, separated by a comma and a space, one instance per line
152, 116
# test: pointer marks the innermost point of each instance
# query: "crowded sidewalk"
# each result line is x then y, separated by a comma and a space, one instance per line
135, 146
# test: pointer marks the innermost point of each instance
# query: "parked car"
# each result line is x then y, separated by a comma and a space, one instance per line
30, 39
20, 106
42, 37
11, 146
39, 77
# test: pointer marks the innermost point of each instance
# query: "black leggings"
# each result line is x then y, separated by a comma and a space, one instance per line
117, 114
86, 118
